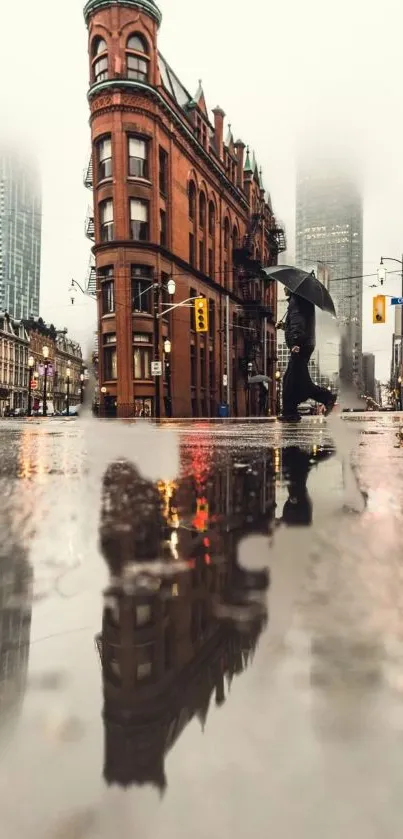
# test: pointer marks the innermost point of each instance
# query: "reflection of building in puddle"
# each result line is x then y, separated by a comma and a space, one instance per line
346, 673
172, 638
16, 580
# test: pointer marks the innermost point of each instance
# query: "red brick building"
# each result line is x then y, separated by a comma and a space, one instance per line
172, 199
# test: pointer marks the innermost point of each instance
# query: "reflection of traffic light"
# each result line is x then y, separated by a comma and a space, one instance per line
379, 309
200, 521
201, 314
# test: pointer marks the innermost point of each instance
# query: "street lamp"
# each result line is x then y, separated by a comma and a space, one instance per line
68, 374
31, 362
45, 353
278, 405
171, 288
167, 351
400, 262
82, 377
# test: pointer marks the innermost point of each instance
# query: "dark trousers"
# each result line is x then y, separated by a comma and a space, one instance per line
298, 385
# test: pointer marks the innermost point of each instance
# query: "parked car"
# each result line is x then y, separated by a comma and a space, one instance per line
74, 411
17, 412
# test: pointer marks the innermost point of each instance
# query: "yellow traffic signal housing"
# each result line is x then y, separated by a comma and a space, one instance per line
379, 309
201, 314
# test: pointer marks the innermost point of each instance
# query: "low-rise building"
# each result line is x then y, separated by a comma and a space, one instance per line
13, 364
42, 345
53, 354
68, 371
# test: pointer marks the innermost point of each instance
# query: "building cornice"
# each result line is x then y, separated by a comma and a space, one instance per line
141, 87
147, 6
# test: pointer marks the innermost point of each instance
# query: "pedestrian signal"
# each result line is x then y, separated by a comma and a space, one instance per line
379, 309
201, 314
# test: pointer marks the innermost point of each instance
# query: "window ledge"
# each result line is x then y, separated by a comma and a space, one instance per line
105, 181
134, 179
108, 316
142, 314
142, 381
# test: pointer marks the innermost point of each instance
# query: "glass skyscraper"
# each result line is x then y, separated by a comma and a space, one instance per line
329, 229
20, 235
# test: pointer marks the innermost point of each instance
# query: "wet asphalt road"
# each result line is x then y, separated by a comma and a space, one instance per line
206, 638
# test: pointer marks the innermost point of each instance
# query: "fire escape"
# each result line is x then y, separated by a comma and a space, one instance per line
88, 179
251, 288
91, 283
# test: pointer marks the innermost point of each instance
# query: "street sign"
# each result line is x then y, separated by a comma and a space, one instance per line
396, 301
156, 368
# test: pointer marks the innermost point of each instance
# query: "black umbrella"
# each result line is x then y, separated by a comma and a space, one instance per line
304, 284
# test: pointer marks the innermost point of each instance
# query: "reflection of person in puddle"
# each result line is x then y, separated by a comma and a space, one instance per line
297, 464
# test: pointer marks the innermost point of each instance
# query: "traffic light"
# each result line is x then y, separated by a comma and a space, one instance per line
379, 309
201, 314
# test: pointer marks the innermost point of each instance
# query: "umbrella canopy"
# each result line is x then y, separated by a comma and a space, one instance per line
259, 379
304, 284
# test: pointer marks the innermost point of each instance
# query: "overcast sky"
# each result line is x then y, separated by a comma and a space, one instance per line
289, 74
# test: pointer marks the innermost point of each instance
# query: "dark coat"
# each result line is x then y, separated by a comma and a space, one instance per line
299, 325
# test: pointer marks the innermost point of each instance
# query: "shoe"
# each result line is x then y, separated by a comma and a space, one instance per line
289, 418
330, 405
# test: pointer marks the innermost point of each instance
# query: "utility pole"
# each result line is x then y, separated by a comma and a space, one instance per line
265, 347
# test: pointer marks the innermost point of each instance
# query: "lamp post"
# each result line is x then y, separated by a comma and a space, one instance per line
31, 362
45, 353
167, 351
82, 377
68, 374
278, 403
399, 382
400, 262
157, 287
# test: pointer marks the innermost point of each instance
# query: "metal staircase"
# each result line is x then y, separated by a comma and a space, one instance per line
89, 175
89, 225
91, 285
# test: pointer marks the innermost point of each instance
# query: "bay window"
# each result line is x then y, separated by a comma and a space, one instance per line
139, 225
104, 149
106, 220
138, 157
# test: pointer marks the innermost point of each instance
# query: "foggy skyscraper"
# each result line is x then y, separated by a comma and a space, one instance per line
20, 235
329, 229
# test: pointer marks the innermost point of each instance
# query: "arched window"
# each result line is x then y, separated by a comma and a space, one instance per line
137, 61
226, 234
99, 60
192, 200
202, 210
211, 218
234, 238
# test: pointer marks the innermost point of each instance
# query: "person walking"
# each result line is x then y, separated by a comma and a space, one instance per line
300, 337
